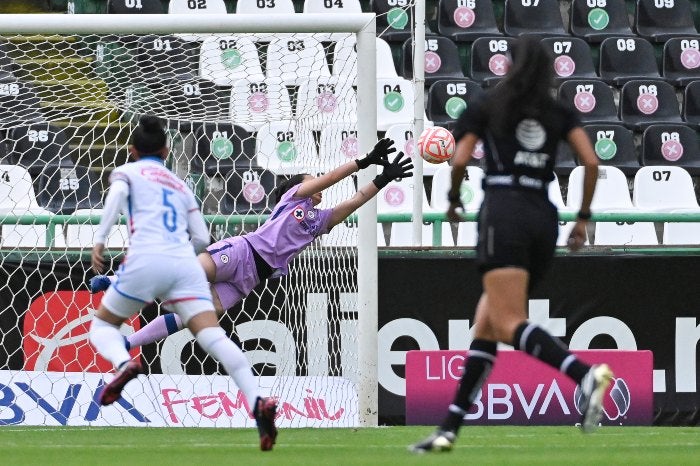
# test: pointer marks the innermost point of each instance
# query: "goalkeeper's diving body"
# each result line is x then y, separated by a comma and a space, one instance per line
236, 265
166, 229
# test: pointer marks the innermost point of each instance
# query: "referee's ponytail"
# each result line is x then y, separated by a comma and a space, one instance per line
148, 137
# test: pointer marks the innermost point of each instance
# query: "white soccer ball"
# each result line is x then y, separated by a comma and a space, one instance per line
436, 145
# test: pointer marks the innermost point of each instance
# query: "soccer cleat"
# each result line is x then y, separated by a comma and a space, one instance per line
593, 387
265, 412
440, 440
113, 390
99, 283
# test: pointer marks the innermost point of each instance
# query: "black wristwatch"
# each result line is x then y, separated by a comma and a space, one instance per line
583, 215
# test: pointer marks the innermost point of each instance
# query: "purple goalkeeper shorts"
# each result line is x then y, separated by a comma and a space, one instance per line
236, 275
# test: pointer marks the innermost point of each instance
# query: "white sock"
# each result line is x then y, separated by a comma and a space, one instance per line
216, 343
109, 342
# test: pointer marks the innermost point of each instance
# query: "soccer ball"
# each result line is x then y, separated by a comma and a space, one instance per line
436, 145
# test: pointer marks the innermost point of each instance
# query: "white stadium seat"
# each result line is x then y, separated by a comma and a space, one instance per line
345, 58
296, 57
255, 102
227, 59
285, 148
324, 101
265, 7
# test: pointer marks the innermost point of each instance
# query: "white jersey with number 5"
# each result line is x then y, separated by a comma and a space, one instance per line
157, 208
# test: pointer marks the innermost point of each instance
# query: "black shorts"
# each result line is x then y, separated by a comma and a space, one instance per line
517, 228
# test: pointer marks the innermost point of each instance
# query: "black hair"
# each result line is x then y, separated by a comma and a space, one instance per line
149, 136
525, 91
286, 185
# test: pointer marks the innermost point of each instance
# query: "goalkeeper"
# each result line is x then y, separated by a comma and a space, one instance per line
236, 265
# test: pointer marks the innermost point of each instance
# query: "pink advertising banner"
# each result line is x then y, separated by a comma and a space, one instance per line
522, 390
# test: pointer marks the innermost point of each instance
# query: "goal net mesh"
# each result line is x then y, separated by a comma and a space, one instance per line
243, 111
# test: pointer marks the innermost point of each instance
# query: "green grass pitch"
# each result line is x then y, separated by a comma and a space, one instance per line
58, 446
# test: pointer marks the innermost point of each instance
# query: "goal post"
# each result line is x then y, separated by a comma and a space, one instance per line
354, 302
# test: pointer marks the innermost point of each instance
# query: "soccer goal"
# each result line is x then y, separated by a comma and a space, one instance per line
247, 99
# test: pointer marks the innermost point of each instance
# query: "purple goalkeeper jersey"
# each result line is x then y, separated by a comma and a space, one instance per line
293, 225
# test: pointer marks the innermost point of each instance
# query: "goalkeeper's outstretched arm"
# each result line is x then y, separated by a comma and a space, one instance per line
400, 168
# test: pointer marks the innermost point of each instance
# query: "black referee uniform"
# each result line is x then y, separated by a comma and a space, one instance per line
518, 225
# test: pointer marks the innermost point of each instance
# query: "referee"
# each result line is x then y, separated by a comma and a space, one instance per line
521, 125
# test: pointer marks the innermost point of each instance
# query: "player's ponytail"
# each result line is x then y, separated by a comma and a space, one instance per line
286, 185
149, 136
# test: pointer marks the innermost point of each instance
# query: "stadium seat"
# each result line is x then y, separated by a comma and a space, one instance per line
248, 192
596, 21
222, 146
611, 195
193, 100
663, 189
691, 103
681, 233
395, 99
448, 98
213, 7
126, 7
83, 235
227, 59
291, 58
572, 58
593, 100
16, 190
397, 197
671, 145
681, 60
19, 103
487, 66
160, 58
17, 197
659, 21
38, 145
284, 148
394, 19
526, 17
625, 233
555, 196
254, 103
463, 23
614, 146
612, 190
643, 103
668, 189
265, 7
565, 161
471, 194
6, 73
333, 6
441, 59
337, 144
326, 100
65, 190
345, 58
623, 59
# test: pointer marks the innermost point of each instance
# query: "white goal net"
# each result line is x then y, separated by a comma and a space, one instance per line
245, 106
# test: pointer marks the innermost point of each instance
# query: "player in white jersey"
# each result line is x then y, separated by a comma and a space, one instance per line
166, 231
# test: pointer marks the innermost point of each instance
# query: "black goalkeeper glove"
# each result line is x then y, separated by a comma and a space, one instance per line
400, 168
379, 155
